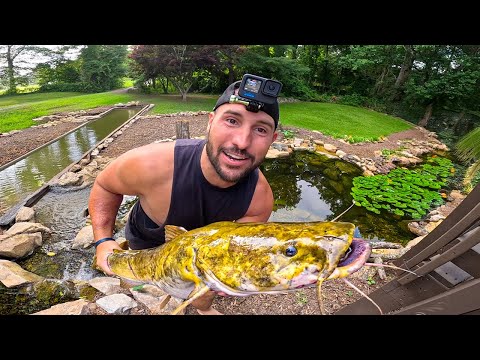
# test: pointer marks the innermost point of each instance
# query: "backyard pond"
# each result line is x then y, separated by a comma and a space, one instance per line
306, 187
313, 187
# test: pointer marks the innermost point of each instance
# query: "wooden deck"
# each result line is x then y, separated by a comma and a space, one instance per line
447, 264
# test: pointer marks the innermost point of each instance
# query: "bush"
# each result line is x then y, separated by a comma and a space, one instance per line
63, 87
353, 100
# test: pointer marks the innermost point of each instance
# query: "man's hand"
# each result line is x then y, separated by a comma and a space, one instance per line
103, 250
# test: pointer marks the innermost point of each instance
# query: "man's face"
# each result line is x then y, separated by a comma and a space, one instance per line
238, 140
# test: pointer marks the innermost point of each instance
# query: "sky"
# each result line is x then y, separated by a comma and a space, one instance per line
32, 60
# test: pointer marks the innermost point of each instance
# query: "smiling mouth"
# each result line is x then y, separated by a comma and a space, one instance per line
235, 157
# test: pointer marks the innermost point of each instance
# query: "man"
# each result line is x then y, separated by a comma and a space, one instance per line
189, 182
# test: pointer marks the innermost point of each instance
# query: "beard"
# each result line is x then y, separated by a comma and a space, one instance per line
225, 175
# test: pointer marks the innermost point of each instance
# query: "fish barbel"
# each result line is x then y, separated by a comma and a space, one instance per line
243, 259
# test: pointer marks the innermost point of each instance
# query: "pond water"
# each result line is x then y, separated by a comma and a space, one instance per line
313, 187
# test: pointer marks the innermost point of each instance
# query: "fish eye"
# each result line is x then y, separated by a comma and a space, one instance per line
291, 251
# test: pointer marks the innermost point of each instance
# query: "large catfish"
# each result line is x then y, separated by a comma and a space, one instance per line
243, 259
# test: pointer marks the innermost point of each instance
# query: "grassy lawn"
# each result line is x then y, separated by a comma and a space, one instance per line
21, 99
341, 121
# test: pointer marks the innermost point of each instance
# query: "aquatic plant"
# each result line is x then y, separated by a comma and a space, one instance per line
404, 192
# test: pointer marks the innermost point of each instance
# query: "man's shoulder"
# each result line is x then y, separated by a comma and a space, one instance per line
189, 142
149, 154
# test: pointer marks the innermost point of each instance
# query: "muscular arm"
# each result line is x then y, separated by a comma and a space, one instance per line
261, 206
132, 173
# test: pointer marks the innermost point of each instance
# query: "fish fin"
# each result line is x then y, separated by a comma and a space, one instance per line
172, 231
196, 293
129, 251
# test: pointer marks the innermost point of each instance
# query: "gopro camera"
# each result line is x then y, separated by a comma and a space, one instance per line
259, 89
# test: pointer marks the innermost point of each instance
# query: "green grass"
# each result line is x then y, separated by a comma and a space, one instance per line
127, 82
20, 99
341, 121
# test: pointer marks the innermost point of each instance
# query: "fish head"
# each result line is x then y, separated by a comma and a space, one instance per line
247, 258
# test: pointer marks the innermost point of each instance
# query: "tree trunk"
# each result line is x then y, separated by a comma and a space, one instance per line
12, 86
183, 131
404, 71
231, 74
378, 88
406, 66
428, 114
457, 124
164, 83
326, 71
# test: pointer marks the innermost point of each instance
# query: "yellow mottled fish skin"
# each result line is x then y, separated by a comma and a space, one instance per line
239, 258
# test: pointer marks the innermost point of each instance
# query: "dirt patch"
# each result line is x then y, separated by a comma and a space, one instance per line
336, 295
364, 150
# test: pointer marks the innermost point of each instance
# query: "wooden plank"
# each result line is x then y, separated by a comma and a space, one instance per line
449, 229
364, 307
462, 299
474, 312
442, 240
467, 240
420, 289
424, 291
452, 273
395, 297
476, 248
470, 262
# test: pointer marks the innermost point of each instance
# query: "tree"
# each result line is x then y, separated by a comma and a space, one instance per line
444, 75
16, 60
103, 66
404, 72
177, 63
227, 57
262, 60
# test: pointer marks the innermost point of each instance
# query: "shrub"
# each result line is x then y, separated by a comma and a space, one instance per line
63, 87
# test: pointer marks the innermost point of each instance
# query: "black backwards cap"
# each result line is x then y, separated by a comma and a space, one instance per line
270, 109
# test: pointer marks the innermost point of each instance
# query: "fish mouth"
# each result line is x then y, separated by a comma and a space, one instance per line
353, 260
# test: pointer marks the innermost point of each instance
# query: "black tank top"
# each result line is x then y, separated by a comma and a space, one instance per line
194, 201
